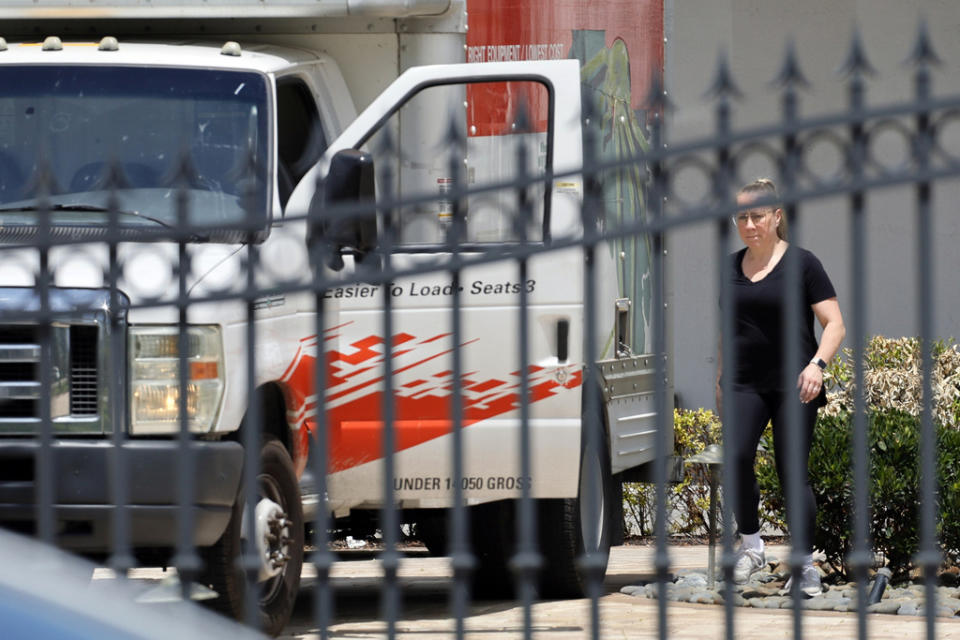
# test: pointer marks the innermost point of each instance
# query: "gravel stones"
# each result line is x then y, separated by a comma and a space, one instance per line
949, 602
706, 597
764, 590
825, 604
693, 580
884, 606
752, 592
771, 602
738, 600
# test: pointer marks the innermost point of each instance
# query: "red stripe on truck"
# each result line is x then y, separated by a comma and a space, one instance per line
422, 405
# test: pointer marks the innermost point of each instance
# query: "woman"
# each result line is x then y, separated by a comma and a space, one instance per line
758, 288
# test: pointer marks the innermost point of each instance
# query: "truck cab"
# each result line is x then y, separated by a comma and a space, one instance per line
121, 154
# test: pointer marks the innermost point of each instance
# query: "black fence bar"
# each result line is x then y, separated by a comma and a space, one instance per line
526, 563
928, 557
252, 435
861, 558
591, 563
722, 190
791, 79
44, 457
121, 559
389, 522
659, 177
461, 558
187, 561
322, 558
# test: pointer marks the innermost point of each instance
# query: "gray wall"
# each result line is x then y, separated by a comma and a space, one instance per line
754, 33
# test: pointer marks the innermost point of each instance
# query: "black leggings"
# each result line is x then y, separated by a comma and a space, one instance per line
753, 410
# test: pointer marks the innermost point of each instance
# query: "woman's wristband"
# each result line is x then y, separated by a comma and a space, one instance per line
820, 363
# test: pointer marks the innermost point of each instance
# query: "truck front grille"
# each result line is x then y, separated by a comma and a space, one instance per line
74, 362
83, 370
19, 371
13, 371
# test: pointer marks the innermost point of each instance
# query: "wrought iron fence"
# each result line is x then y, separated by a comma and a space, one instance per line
71, 360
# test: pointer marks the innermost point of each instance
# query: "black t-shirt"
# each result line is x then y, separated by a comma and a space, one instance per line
760, 327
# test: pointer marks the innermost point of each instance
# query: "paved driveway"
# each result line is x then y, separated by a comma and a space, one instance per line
425, 611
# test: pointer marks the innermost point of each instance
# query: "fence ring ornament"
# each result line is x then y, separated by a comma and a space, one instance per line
823, 158
679, 170
485, 209
18, 270
879, 135
946, 135
743, 163
149, 274
218, 270
79, 268
284, 258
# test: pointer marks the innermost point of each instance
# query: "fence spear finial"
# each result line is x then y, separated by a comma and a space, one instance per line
856, 63
455, 131
657, 100
923, 53
723, 86
790, 75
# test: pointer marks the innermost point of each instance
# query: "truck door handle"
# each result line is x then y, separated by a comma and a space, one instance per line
563, 340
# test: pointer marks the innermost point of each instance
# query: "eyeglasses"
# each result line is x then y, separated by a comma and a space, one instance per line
756, 217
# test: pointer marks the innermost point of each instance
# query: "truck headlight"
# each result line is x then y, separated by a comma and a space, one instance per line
155, 378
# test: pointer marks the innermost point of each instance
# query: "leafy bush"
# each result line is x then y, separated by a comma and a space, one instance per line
688, 502
771, 512
893, 379
894, 475
893, 390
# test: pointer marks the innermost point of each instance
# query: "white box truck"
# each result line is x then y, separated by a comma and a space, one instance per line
136, 115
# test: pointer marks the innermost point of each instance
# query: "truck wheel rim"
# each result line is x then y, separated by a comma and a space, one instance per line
277, 531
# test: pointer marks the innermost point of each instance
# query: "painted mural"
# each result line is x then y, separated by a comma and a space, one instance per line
620, 47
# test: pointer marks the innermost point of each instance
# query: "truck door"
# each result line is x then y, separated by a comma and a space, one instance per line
496, 122
558, 103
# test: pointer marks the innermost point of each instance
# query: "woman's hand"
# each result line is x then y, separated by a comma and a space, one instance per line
810, 382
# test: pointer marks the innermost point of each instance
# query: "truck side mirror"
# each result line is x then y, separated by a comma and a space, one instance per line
350, 180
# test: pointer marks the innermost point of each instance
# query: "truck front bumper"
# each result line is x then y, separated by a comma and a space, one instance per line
81, 501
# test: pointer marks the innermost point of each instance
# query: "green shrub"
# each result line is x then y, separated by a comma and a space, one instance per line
893, 392
893, 379
687, 502
771, 510
894, 472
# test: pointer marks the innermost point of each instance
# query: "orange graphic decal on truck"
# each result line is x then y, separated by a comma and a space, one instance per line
423, 388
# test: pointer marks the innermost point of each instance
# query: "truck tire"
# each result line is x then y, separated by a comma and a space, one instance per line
277, 482
563, 527
566, 524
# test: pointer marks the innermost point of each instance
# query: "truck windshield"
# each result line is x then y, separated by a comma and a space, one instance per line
126, 131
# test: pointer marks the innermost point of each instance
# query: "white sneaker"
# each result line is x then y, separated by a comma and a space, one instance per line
749, 561
810, 585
